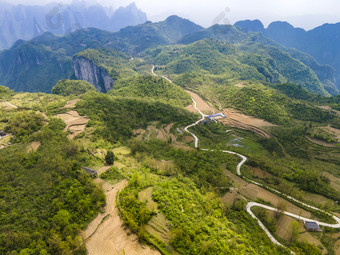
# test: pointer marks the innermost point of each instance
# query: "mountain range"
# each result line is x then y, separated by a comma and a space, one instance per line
25, 22
271, 58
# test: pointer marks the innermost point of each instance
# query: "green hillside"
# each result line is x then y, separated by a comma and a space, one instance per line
150, 87
256, 43
235, 62
72, 87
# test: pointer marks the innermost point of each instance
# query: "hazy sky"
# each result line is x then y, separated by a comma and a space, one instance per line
302, 13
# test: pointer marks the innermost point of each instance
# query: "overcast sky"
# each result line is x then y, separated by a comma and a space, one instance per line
301, 13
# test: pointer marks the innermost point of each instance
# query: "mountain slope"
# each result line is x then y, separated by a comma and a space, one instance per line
321, 42
20, 72
150, 87
253, 61
256, 43
151, 34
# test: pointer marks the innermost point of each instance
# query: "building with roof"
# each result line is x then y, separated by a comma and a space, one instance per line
90, 171
312, 226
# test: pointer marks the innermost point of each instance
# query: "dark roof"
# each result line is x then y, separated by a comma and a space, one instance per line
89, 171
311, 225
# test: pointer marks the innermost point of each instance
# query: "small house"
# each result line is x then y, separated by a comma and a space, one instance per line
312, 226
90, 171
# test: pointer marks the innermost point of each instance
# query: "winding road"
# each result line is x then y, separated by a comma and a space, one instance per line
254, 204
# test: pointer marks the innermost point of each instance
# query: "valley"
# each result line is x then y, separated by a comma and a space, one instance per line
168, 138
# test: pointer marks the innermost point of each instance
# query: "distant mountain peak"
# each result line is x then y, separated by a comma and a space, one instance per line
250, 25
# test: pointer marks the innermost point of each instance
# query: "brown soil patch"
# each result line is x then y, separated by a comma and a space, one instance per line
201, 104
328, 108
273, 199
337, 248
139, 131
333, 131
231, 196
74, 122
283, 226
240, 85
315, 198
181, 146
33, 147
168, 127
161, 135
108, 236
158, 225
188, 139
71, 103
7, 106
284, 231
335, 181
325, 107
103, 170
257, 172
236, 180
242, 121
43, 114
321, 143
307, 237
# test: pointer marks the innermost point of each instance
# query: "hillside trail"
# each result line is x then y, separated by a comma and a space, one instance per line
106, 234
253, 204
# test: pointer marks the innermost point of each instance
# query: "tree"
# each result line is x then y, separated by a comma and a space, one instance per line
110, 158
294, 232
281, 207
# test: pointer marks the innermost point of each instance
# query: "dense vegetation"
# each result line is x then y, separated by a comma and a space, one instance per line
236, 62
46, 199
197, 219
72, 87
150, 87
268, 104
116, 118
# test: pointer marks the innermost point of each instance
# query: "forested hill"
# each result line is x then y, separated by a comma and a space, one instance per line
243, 61
321, 42
48, 57
255, 42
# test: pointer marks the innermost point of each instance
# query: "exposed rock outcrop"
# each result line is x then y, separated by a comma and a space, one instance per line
85, 69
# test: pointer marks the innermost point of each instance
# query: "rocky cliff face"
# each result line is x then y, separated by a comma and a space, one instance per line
85, 69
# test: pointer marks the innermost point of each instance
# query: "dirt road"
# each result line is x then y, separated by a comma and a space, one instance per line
106, 234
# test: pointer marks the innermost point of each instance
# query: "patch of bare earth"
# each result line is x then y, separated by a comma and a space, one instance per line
333, 131
240, 85
257, 172
231, 196
107, 235
74, 122
242, 121
33, 147
321, 143
201, 104
251, 191
188, 139
328, 108
7, 106
71, 103
284, 231
158, 224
